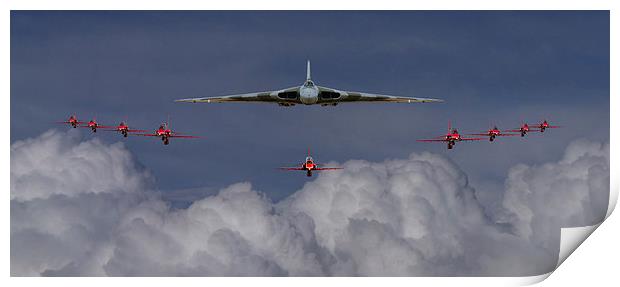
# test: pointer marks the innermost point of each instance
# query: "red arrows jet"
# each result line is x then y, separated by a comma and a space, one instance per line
165, 133
73, 121
545, 125
523, 130
124, 129
492, 133
93, 125
309, 166
451, 137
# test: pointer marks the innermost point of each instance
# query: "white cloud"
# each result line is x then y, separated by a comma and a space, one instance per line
571, 192
58, 163
415, 216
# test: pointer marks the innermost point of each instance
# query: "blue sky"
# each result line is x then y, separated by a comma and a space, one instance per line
490, 68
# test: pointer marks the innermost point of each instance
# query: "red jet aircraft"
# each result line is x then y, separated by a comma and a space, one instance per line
451, 138
523, 130
545, 125
492, 133
309, 165
93, 125
165, 133
73, 121
124, 129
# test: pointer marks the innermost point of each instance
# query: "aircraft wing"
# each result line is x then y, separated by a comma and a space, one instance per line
68, 122
328, 168
99, 127
519, 130
329, 95
114, 129
507, 135
170, 136
281, 96
291, 168
471, 139
537, 126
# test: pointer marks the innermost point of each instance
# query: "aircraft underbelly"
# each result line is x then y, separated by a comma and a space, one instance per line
308, 96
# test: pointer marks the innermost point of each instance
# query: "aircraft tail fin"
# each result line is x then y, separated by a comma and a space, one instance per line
308, 70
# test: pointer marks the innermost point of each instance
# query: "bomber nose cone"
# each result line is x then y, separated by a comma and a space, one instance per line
308, 96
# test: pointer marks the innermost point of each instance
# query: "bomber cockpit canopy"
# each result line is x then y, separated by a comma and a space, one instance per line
309, 83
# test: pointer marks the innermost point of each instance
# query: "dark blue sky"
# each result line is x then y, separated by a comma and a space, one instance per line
490, 68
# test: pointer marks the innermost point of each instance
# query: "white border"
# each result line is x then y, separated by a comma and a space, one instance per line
602, 259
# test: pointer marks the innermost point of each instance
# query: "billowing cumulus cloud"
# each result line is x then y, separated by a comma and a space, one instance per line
56, 163
568, 193
87, 208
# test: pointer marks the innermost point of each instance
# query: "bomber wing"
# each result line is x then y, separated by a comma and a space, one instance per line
329, 95
288, 95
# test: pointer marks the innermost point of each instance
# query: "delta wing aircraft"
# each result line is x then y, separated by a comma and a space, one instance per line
308, 94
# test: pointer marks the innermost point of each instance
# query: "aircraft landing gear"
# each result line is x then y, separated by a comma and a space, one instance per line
309, 173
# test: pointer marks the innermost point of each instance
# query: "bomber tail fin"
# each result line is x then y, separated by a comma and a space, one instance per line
308, 70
